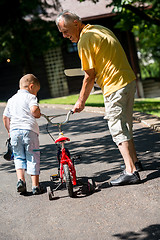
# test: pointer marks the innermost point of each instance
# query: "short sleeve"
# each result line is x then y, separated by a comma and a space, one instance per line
7, 111
33, 101
86, 54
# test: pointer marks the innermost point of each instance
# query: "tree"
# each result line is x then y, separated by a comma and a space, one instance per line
148, 11
143, 19
25, 31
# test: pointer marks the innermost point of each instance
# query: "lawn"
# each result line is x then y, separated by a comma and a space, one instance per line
145, 105
93, 100
148, 105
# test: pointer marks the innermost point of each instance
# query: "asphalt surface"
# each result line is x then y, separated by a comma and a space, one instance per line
126, 212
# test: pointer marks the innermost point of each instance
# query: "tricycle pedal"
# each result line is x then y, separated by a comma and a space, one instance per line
54, 177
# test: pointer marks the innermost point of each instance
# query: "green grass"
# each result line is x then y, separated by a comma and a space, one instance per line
93, 100
68, 100
146, 105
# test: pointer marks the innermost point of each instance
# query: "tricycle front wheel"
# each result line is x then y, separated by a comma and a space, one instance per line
68, 180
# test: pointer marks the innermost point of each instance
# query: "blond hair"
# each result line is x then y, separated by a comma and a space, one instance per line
28, 79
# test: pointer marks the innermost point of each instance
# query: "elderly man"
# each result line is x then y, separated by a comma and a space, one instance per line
104, 61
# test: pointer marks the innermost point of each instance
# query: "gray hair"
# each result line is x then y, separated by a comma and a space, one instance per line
67, 16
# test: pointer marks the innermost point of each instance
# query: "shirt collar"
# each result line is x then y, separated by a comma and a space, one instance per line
84, 29
23, 90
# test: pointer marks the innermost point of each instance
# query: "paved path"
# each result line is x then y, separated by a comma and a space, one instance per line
128, 212
149, 120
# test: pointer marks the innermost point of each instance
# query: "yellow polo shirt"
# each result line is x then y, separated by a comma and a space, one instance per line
99, 48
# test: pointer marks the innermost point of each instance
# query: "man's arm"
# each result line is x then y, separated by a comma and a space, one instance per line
35, 111
88, 83
6, 121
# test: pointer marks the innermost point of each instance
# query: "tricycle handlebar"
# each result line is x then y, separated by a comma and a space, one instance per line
49, 118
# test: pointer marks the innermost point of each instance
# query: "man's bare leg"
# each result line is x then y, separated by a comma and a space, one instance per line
128, 152
130, 176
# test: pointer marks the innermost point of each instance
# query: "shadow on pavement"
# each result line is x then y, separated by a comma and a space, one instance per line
151, 232
95, 147
90, 137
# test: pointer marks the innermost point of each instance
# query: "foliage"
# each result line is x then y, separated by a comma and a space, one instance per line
143, 19
149, 50
136, 12
24, 32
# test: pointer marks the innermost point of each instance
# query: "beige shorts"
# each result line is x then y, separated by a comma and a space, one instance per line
119, 113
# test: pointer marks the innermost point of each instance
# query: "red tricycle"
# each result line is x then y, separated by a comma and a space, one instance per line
66, 171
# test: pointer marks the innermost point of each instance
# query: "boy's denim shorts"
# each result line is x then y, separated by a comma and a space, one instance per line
119, 113
24, 142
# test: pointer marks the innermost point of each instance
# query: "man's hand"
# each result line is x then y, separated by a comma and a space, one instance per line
79, 106
88, 83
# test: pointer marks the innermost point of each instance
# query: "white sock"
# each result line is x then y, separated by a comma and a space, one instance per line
34, 187
130, 174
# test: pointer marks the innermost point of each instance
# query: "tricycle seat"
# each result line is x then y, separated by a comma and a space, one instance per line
62, 139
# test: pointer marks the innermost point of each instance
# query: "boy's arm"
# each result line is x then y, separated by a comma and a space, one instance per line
35, 111
6, 121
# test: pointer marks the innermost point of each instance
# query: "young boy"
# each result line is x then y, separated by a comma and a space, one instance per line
19, 119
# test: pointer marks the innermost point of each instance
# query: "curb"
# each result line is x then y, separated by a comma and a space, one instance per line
151, 121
